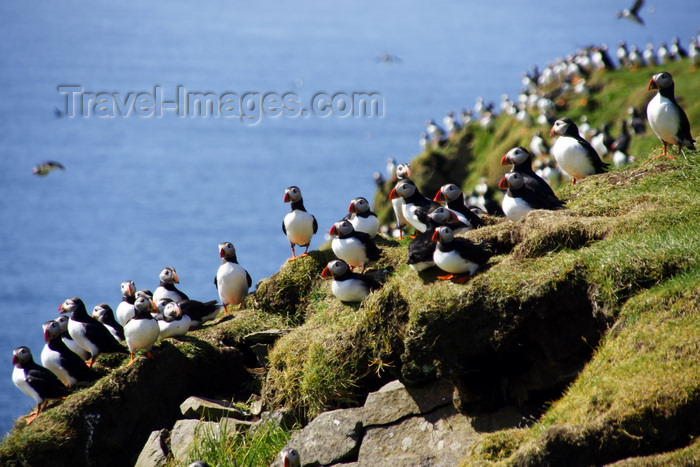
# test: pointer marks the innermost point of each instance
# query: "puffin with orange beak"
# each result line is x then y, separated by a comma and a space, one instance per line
60, 360
87, 332
166, 289
523, 196
361, 217
298, 225
355, 248
457, 256
454, 198
403, 172
232, 281
348, 286
416, 206
666, 118
35, 381
573, 153
142, 330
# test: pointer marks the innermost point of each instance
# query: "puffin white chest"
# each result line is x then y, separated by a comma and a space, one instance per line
350, 290
351, 250
299, 226
21, 382
232, 282
515, 208
161, 293
452, 262
409, 212
368, 225
125, 311
664, 118
78, 332
174, 328
397, 205
51, 360
572, 157
141, 334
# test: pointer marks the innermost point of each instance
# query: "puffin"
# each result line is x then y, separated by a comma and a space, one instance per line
166, 289
632, 14
35, 381
422, 247
416, 206
355, 248
453, 196
361, 217
174, 323
60, 360
403, 172
666, 118
524, 194
298, 225
199, 312
89, 333
62, 320
142, 331
574, 154
348, 286
125, 309
231, 281
104, 314
290, 457
521, 160
457, 256
45, 168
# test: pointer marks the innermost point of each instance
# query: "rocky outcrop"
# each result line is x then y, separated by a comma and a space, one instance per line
397, 425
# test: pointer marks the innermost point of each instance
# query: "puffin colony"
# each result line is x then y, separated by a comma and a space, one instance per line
74, 342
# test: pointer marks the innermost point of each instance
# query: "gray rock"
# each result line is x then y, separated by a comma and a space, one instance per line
186, 432
210, 409
440, 438
261, 352
395, 401
330, 438
281, 418
268, 336
155, 451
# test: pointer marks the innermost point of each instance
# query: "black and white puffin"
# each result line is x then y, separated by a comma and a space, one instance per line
125, 309
422, 247
104, 314
355, 248
174, 323
348, 286
298, 225
199, 312
521, 160
166, 289
403, 172
666, 118
35, 381
453, 196
457, 256
60, 360
524, 195
573, 153
89, 333
62, 320
142, 331
361, 217
290, 457
416, 206
232, 281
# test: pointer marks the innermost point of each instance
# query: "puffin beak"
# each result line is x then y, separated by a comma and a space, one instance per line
453, 217
435, 237
62, 308
325, 273
352, 208
287, 198
552, 133
503, 184
439, 198
652, 85
15, 360
333, 231
393, 194
177, 279
46, 335
221, 252
154, 306
505, 161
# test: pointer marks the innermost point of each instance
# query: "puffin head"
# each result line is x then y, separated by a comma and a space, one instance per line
227, 251
403, 171
290, 457
442, 215
51, 329
404, 189
358, 204
128, 288
71, 305
511, 180
292, 194
143, 307
335, 268
563, 127
21, 355
516, 156
660, 81
100, 311
443, 234
169, 275
341, 228
172, 311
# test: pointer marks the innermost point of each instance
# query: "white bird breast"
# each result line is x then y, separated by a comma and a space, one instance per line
141, 334
77, 332
452, 262
663, 118
350, 290
232, 283
51, 360
368, 225
572, 157
515, 208
125, 311
299, 226
174, 328
20, 381
350, 250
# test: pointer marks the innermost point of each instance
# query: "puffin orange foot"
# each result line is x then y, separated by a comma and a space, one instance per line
461, 279
131, 361
31, 418
150, 355
446, 277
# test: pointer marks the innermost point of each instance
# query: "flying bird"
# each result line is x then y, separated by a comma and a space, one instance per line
632, 14
44, 168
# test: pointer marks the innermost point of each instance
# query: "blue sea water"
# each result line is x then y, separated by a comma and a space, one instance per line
140, 193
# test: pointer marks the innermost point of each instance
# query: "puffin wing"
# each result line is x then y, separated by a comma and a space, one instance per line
592, 155
248, 278
44, 382
683, 134
373, 251
476, 253
315, 224
537, 196
105, 341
